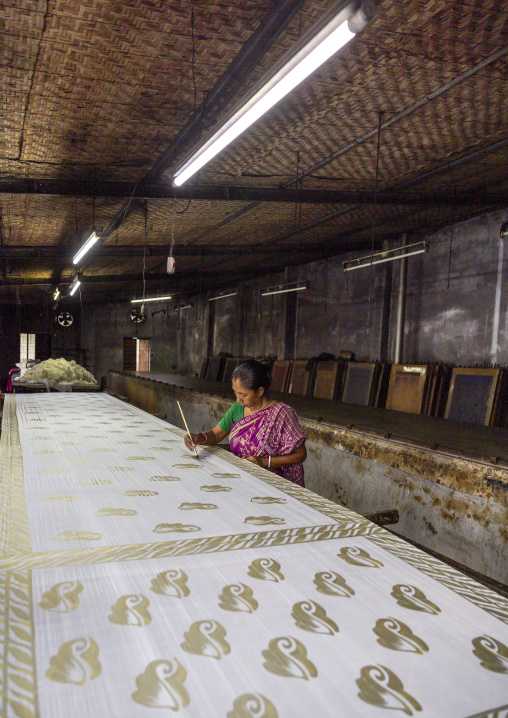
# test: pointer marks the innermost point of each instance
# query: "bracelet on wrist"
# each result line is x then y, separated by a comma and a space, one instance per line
203, 443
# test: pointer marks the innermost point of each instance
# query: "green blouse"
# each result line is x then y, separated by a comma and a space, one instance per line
232, 415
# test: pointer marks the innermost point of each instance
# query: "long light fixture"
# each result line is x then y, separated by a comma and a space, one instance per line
184, 306
222, 296
151, 299
283, 288
92, 239
76, 282
326, 42
389, 256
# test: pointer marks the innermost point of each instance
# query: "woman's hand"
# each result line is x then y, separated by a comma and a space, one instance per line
191, 441
259, 460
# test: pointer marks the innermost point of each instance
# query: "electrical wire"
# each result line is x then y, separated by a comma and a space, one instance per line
369, 327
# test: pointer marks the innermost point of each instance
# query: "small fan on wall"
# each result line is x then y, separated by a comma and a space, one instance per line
137, 315
65, 319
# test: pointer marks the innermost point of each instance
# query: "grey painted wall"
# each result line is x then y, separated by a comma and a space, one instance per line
457, 311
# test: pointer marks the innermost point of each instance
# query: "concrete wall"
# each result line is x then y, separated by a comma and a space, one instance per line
444, 502
457, 311
457, 303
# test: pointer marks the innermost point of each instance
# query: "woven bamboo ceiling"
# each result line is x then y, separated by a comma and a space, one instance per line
104, 100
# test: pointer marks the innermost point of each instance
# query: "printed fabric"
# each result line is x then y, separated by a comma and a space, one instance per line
274, 431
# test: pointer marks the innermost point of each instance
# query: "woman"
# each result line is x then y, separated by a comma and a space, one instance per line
263, 431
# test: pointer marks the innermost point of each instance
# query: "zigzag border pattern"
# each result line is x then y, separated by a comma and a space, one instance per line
184, 547
15, 531
19, 693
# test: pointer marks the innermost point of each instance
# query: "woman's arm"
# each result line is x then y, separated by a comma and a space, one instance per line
205, 438
298, 456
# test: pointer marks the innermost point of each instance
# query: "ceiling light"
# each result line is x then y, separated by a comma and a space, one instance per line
325, 43
283, 288
389, 256
184, 306
92, 239
151, 299
76, 282
222, 296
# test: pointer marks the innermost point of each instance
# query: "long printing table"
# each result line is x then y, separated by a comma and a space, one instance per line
137, 580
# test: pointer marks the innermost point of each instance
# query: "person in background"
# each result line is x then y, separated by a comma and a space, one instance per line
262, 430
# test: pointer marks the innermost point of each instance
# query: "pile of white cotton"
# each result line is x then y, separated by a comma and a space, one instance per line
58, 373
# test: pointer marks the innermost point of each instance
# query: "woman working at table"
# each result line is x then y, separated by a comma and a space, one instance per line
262, 430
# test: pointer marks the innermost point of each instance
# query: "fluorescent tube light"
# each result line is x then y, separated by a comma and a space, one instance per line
185, 306
283, 288
388, 256
151, 299
76, 282
92, 239
331, 38
222, 296
56, 294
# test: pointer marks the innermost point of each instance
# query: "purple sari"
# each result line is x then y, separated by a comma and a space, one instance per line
273, 431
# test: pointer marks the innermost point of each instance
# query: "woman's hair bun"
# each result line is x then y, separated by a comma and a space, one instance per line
253, 374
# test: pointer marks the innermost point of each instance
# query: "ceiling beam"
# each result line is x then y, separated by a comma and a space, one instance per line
228, 193
127, 252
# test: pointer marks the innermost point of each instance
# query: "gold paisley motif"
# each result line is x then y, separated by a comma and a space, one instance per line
77, 536
93, 482
286, 656
414, 599
332, 584
62, 597
253, 705
120, 468
358, 557
171, 583
267, 500
41, 438
110, 511
161, 686
186, 466
380, 687
179, 528
206, 638
76, 662
493, 654
398, 636
165, 478
141, 458
102, 450
47, 451
310, 616
59, 497
131, 610
226, 476
216, 488
264, 520
170, 441
140, 492
160, 448
266, 569
189, 506
237, 597
72, 443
